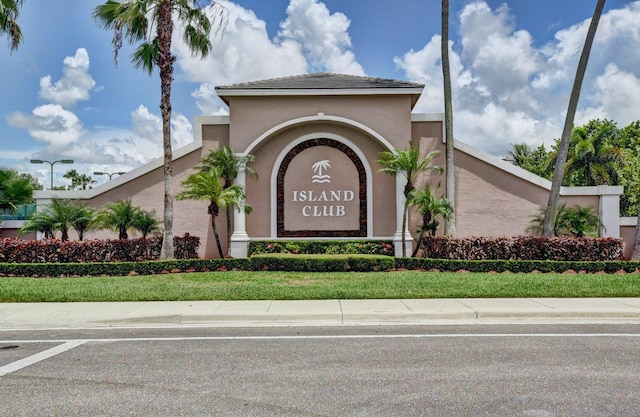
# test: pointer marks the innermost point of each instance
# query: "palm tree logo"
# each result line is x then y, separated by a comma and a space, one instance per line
319, 168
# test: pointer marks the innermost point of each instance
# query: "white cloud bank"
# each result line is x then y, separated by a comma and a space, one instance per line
506, 90
310, 39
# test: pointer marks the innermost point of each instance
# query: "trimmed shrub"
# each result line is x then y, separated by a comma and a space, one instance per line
309, 247
523, 248
54, 250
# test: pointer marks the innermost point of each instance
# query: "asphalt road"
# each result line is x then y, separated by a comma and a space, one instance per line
454, 370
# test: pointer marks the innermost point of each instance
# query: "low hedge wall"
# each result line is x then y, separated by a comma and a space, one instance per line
525, 248
55, 250
311, 263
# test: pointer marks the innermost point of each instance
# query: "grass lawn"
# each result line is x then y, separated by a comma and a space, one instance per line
242, 285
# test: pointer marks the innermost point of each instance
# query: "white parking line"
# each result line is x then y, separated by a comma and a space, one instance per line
23, 363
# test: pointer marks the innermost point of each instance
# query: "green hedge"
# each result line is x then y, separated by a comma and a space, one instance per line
316, 247
309, 263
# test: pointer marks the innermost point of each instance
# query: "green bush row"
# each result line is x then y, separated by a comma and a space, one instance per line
525, 248
334, 247
311, 263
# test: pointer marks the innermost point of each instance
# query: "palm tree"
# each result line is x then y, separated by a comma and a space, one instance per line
450, 222
15, 190
119, 216
147, 223
9, 13
580, 221
230, 166
561, 159
39, 221
430, 208
207, 185
136, 21
408, 163
636, 243
593, 159
61, 215
83, 219
82, 181
576, 221
537, 161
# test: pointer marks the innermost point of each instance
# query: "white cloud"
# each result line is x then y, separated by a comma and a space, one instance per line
49, 124
75, 84
149, 126
617, 96
506, 90
311, 39
324, 36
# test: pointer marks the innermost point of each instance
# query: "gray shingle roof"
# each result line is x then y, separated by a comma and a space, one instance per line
321, 81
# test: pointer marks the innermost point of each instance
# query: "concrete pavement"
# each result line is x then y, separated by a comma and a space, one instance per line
316, 312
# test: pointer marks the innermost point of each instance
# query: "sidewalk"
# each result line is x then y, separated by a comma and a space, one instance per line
318, 312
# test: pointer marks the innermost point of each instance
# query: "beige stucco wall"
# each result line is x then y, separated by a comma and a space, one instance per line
251, 117
493, 197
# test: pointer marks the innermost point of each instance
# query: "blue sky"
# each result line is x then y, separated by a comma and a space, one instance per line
513, 63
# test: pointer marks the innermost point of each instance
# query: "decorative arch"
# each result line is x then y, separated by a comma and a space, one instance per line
320, 117
365, 191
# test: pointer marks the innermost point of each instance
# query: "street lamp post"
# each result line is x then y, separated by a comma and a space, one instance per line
42, 161
110, 174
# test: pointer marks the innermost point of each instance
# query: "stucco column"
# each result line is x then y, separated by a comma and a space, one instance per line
239, 237
610, 210
397, 237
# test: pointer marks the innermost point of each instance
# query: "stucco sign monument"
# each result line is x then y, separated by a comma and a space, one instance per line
321, 191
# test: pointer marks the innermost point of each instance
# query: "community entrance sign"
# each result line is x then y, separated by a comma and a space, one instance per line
321, 191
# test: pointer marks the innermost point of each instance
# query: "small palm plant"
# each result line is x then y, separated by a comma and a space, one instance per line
119, 216
430, 208
408, 163
230, 166
61, 215
576, 221
208, 185
82, 219
147, 223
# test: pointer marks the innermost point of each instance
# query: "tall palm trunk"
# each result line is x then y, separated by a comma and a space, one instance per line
214, 210
165, 65
563, 149
426, 218
450, 189
636, 244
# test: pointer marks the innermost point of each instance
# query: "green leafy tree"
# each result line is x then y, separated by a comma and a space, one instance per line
408, 163
230, 166
15, 190
537, 161
629, 141
9, 13
593, 158
208, 186
150, 24
430, 209
119, 216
